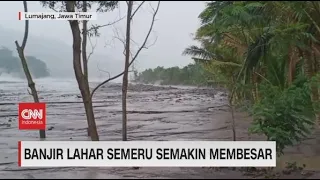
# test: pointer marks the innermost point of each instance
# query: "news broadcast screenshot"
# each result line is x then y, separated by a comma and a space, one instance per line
160, 90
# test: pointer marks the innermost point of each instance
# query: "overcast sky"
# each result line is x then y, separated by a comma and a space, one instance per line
176, 21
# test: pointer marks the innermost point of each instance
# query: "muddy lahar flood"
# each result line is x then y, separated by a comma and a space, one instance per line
154, 113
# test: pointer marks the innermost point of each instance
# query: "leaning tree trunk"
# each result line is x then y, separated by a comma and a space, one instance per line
82, 83
92, 127
293, 60
316, 49
309, 72
316, 64
20, 50
231, 100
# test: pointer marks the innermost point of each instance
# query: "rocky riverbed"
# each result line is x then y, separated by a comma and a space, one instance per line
154, 113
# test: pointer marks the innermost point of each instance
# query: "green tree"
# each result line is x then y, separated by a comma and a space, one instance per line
192, 74
257, 46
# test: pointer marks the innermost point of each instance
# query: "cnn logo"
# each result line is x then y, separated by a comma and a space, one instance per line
32, 116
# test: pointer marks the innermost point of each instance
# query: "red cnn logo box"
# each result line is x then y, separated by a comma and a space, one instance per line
32, 116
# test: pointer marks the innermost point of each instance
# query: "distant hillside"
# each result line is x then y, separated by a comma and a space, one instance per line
10, 64
57, 55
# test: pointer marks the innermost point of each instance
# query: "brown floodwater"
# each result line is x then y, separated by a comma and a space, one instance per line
154, 113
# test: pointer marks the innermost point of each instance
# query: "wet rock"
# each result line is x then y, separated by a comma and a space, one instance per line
224, 94
3, 124
314, 175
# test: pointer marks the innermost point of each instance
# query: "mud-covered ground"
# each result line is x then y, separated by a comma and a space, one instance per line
154, 113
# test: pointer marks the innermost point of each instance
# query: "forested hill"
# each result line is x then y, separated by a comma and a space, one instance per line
11, 64
57, 54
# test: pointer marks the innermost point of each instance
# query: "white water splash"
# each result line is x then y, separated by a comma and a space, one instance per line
9, 78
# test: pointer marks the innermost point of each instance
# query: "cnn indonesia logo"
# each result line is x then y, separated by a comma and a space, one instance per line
32, 116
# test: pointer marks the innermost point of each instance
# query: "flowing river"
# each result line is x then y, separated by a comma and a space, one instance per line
154, 113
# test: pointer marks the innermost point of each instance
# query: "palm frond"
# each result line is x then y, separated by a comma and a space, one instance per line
198, 52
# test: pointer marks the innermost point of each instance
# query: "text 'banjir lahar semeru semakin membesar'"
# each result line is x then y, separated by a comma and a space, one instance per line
147, 153
136, 153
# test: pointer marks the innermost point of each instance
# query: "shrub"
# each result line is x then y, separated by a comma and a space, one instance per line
284, 115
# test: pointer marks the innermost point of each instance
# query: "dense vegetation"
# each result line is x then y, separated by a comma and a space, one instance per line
192, 74
195, 74
12, 65
266, 53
